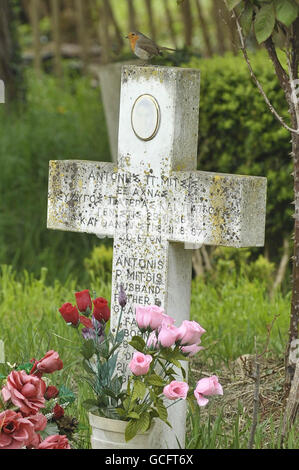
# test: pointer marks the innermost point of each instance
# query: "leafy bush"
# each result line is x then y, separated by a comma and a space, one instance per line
233, 263
99, 264
238, 134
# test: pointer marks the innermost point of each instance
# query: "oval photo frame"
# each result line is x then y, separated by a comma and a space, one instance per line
145, 117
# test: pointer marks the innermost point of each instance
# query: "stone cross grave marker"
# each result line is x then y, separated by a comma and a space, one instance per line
155, 203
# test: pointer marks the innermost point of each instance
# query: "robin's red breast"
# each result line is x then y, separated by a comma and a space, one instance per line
144, 47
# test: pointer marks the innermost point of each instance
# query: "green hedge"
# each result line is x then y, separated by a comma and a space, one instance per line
238, 134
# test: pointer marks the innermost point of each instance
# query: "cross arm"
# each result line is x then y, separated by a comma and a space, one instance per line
82, 196
217, 209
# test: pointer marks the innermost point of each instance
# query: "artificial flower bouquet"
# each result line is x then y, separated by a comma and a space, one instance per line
158, 377
31, 409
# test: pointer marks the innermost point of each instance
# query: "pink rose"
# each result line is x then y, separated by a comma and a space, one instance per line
167, 320
176, 390
50, 363
55, 442
191, 350
167, 335
207, 386
25, 391
140, 363
152, 341
190, 332
149, 317
15, 430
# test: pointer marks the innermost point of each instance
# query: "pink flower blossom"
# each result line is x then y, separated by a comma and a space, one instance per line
25, 391
55, 441
140, 363
39, 422
167, 320
191, 350
50, 363
190, 332
149, 317
167, 335
152, 341
176, 390
207, 386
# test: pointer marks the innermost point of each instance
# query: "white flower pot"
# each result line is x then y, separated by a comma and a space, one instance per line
110, 434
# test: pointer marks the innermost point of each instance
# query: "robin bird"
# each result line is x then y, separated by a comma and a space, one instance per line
144, 47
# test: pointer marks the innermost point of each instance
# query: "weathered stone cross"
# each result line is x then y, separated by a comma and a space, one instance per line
155, 201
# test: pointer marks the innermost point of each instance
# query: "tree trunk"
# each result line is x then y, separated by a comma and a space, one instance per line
188, 23
293, 329
219, 27
170, 23
204, 28
80, 12
9, 51
118, 33
282, 267
131, 15
104, 32
151, 20
293, 103
55, 5
34, 15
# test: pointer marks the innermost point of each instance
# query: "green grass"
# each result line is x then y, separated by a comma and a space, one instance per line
233, 315
57, 121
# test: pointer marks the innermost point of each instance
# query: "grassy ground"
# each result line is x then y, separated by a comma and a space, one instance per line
232, 313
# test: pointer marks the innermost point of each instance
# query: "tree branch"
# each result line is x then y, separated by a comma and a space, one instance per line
253, 76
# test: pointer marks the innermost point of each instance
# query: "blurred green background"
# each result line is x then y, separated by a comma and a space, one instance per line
54, 110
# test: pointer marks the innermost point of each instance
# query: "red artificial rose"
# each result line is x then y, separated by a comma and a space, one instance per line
25, 391
55, 442
86, 322
58, 411
70, 313
50, 363
83, 300
51, 392
101, 310
16, 431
